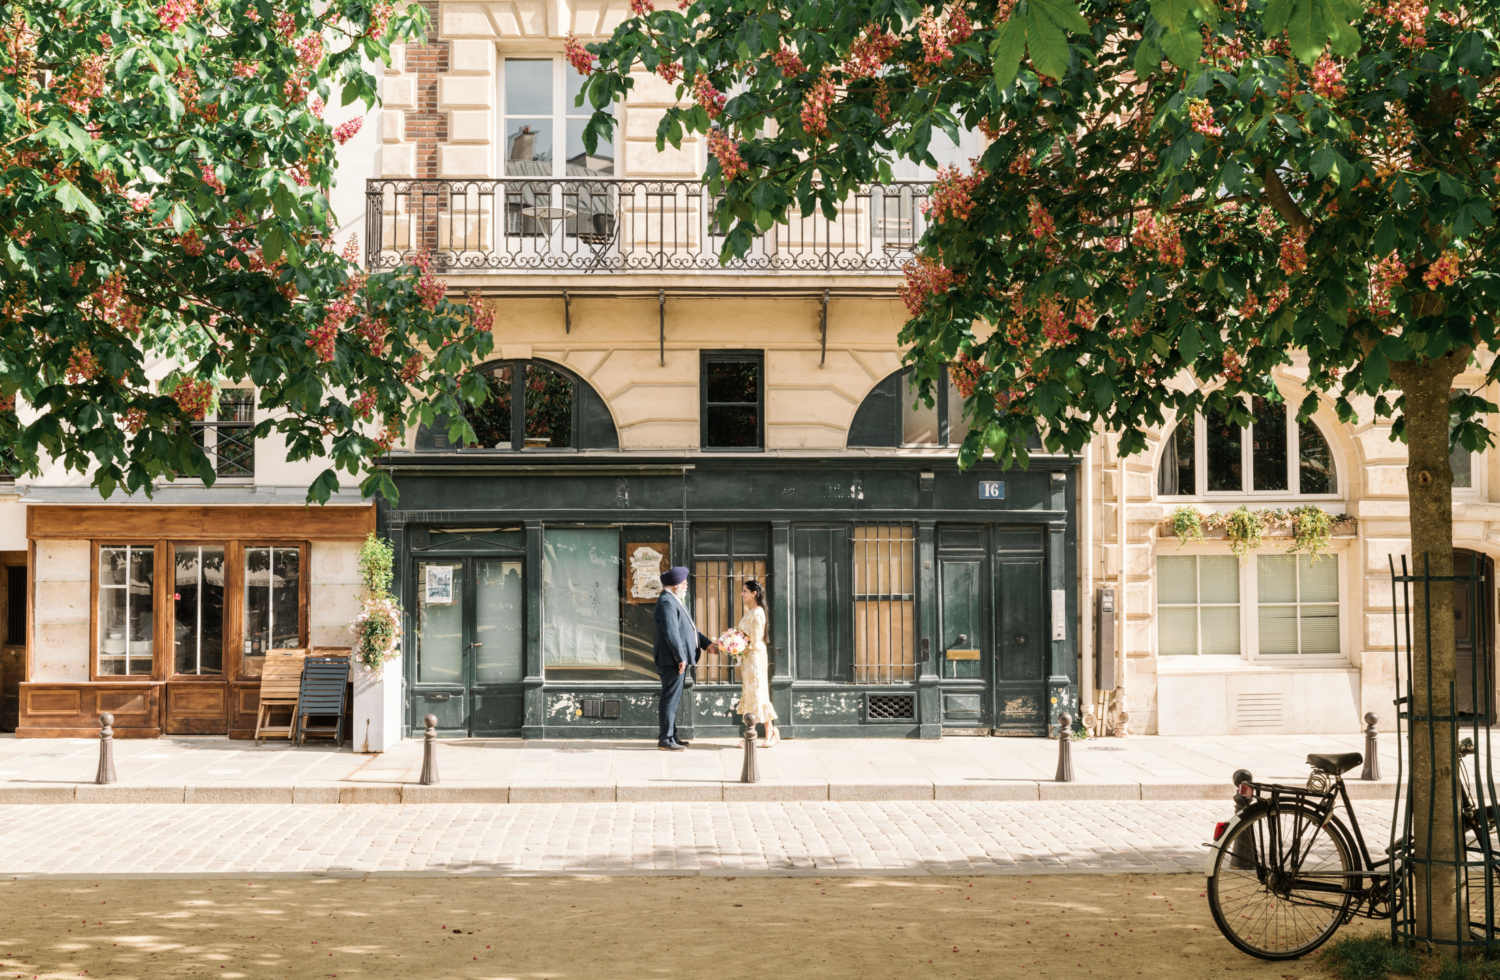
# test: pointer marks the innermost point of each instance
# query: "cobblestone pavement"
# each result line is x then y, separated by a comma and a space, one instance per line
912, 837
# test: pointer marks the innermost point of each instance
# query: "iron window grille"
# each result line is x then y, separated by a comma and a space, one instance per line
229, 438
724, 557
885, 603
732, 393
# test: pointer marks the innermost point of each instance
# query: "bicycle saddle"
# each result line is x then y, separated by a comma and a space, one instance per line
1335, 764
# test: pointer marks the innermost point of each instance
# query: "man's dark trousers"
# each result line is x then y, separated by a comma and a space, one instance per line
671, 697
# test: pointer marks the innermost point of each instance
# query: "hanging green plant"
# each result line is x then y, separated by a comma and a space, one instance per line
1244, 528
1187, 525
1312, 527
377, 627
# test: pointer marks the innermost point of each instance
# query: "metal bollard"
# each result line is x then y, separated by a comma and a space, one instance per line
429, 752
1065, 748
751, 772
1372, 753
106, 749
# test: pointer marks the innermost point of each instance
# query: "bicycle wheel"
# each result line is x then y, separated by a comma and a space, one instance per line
1269, 903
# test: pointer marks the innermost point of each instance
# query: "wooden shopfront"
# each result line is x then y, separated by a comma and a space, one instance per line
906, 597
162, 615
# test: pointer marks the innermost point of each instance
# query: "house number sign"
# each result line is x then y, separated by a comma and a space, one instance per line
991, 489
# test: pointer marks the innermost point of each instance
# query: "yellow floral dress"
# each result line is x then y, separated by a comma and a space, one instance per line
755, 688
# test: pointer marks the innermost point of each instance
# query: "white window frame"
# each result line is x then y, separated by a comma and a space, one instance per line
1247, 452
1200, 658
1341, 549
1478, 462
562, 110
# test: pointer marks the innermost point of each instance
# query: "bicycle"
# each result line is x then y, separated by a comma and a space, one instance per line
1285, 872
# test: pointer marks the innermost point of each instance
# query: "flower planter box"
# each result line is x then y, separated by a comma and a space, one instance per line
1343, 529
377, 706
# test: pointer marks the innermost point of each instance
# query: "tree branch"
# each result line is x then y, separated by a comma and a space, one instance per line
1279, 198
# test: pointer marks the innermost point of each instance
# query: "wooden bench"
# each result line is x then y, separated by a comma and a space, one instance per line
280, 687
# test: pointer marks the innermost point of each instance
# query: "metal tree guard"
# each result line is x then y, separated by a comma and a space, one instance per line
1470, 789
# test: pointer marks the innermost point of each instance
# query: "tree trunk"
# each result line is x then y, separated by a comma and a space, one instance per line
1434, 795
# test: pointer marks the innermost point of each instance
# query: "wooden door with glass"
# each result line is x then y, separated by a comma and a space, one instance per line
470, 648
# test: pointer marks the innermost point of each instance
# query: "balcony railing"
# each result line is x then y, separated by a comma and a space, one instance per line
607, 225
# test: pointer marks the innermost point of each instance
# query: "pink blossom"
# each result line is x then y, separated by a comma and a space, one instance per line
1042, 225
952, 194
1294, 253
710, 98
174, 13
641, 8
315, 106
310, 50
786, 59
869, 53
934, 39
212, 179
246, 69
1388, 273
815, 105
1444, 271
1328, 79
346, 130
1202, 116
429, 287
351, 249
669, 71
578, 56
727, 152
926, 278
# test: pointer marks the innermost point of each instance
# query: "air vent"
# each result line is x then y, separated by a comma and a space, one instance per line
1260, 712
593, 707
892, 707
611, 708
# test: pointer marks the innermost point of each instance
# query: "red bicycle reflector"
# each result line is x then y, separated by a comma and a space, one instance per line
1247, 790
1219, 828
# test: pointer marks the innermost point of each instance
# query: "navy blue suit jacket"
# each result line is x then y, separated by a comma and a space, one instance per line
677, 639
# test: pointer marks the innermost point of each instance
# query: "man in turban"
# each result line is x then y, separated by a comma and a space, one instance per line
677, 644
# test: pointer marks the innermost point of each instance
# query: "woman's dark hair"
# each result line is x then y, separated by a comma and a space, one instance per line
759, 592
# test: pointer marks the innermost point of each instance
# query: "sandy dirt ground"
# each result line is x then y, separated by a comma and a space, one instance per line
1114, 926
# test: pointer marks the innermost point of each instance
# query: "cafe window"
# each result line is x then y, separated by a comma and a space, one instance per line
126, 576
1275, 454
198, 610
228, 437
600, 586
529, 405
272, 603
542, 121
724, 557
732, 393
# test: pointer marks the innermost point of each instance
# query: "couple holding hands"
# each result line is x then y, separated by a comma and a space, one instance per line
678, 642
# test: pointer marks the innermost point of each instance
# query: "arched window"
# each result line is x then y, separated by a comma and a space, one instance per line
534, 406
893, 414
1209, 454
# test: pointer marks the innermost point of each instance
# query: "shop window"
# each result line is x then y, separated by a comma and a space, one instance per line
500, 600
884, 603
600, 586
539, 99
125, 618
198, 610
228, 438
732, 393
273, 603
530, 405
1213, 454
724, 557
440, 622
1298, 605
1198, 605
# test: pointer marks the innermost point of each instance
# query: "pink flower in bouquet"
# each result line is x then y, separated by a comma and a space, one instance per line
733, 643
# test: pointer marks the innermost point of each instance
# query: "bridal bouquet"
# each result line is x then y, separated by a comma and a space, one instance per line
733, 643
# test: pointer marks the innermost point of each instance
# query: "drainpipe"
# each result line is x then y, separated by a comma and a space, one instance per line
1122, 718
1086, 600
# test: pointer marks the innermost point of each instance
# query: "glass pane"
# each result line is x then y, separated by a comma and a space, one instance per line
581, 572
1268, 451
1318, 580
1178, 474
730, 428
1278, 629
581, 163
1225, 465
257, 609
1176, 579
440, 624
138, 620
1315, 461
1221, 630
1219, 578
528, 148
1177, 631
733, 381
499, 599
549, 408
491, 420
1461, 460
198, 610
237, 405
113, 600
919, 421
286, 594
1320, 629
958, 426
528, 87
111, 567
1277, 578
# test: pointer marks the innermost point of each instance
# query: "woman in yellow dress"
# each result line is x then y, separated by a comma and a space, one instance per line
755, 690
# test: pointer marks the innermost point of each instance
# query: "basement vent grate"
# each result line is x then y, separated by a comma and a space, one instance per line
601, 708
1260, 711
893, 707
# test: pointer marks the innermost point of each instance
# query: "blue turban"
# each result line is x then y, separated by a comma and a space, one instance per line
674, 576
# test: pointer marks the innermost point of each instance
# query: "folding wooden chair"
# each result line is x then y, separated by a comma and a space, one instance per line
280, 685
324, 681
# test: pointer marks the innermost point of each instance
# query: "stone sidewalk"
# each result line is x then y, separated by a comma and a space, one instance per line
216, 770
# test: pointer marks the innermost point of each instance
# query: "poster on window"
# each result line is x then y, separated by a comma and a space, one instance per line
647, 562
439, 585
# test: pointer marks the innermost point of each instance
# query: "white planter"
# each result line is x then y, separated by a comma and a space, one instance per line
377, 707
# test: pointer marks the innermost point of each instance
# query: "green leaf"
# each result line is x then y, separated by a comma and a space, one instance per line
1047, 44
1064, 14
1305, 31
1323, 159
1190, 343
72, 199
1147, 57
1006, 51
1179, 31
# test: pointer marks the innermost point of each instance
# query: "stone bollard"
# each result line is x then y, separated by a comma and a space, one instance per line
429, 752
1064, 748
751, 772
1372, 752
106, 749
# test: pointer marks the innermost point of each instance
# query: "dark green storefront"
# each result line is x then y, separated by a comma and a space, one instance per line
906, 597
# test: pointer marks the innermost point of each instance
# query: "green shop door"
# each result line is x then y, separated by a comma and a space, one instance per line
470, 645
1019, 689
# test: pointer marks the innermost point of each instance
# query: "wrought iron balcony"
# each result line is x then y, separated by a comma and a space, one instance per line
609, 225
